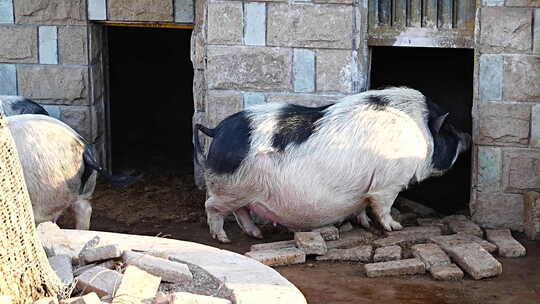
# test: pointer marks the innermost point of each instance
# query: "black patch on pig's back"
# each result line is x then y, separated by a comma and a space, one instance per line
295, 125
230, 145
377, 103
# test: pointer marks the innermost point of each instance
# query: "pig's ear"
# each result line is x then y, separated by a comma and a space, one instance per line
438, 122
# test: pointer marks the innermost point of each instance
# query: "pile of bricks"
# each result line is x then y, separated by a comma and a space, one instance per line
445, 247
112, 275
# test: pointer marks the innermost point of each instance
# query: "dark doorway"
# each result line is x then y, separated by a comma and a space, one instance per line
151, 101
446, 76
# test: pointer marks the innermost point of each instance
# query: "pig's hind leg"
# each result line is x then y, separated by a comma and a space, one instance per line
246, 223
381, 204
217, 207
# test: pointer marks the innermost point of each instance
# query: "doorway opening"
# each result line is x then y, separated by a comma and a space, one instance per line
446, 76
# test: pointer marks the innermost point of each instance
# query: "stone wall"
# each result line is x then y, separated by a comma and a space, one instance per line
506, 112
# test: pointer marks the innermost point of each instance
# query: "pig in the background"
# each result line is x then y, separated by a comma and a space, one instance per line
310, 167
16, 105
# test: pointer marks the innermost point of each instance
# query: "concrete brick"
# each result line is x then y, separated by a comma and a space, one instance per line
225, 24
221, 105
328, 233
505, 30
491, 77
78, 118
53, 84
304, 70
48, 45
97, 10
6, 11
492, 2
274, 245
532, 3
531, 208
489, 169
504, 124
253, 98
507, 246
388, 253
450, 272
53, 110
446, 241
137, 286
431, 255
19, 44
408, 237
535, 123
498, 210
356, 254
278, 257
236, 67
50, 12
140, 10
183, 11
47, 300
317, 26
89, 298
474, 260
407, 205
433, 222
416, 230
101, 253
255, 27
61, 264
520, 170
191, 298
395, 268
352, 239
334, 71
467, 226
521, 74
346, 227
8, 79
310, 242
72, 44
307, 100
168, 271
536, 30
102, 281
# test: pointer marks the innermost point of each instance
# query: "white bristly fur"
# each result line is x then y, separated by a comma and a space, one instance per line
356, 156
51, 155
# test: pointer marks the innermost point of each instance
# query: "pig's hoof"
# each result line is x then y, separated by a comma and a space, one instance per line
392, 225
221, 237
364, 220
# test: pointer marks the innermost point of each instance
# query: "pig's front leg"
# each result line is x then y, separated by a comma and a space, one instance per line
381, 204
246, 223
363, 219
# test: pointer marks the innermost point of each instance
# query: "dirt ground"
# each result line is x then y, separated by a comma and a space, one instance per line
171, 206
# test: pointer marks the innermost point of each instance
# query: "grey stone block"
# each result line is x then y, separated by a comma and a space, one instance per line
446, 241
278, 257
407, 205
136, 286
220, 105
489, 169
356, 254
53, 110
6, 11
493, 2
520, 171
50, 12
334, 71
102, 281
536, 32
328, 233
140, 10
388, 253
475, 260
48, 45
504, 123
101, 253
308, 100
304, 70
61, 264
183, 11
395, 268
352, 239
431, 254
19, 44
274, 245
450, 272
89, 298
467, 226
78, 117
491, 75
97, 10
253, 98
255, 23
494, 210
168, 271
409, 236
72, 45
225, 24
521, 74
310, 242
535, 122
8, 79
506, 30
508, 247
532, 215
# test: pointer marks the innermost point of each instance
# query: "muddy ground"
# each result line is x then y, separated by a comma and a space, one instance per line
169, 205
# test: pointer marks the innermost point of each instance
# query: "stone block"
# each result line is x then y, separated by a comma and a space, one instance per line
521, 74
505, 30
89, 298
19, 44
334, 71
306, 100
168, 271
491, 77
536, 30
79, 119
225, 24
466, 226
408, 236
140, 10
183, 11
97, 10
450, 272
507, 246
310, 242
474, 260
255, 27
47, 300
50, 12
304, 70
352, 239
237, 68
220, 105
315, 26
504, 124
492, 2
356, 254
48, 45
191, 298
61, 264
52, 84
278, 257
407, 205
531, 208
388, 253
395, 268
101, 253
102, 281
446, 241
431, 254
489, 169
8, 79
137, 286
532, 3
520, 170
416, 230
333, 1
6, 11
328, 233
535, 123
498, 210
346, 227
72, 45
253, 98
274, 245
430, 221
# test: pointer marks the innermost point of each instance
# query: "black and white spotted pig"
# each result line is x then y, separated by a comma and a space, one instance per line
309, 167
